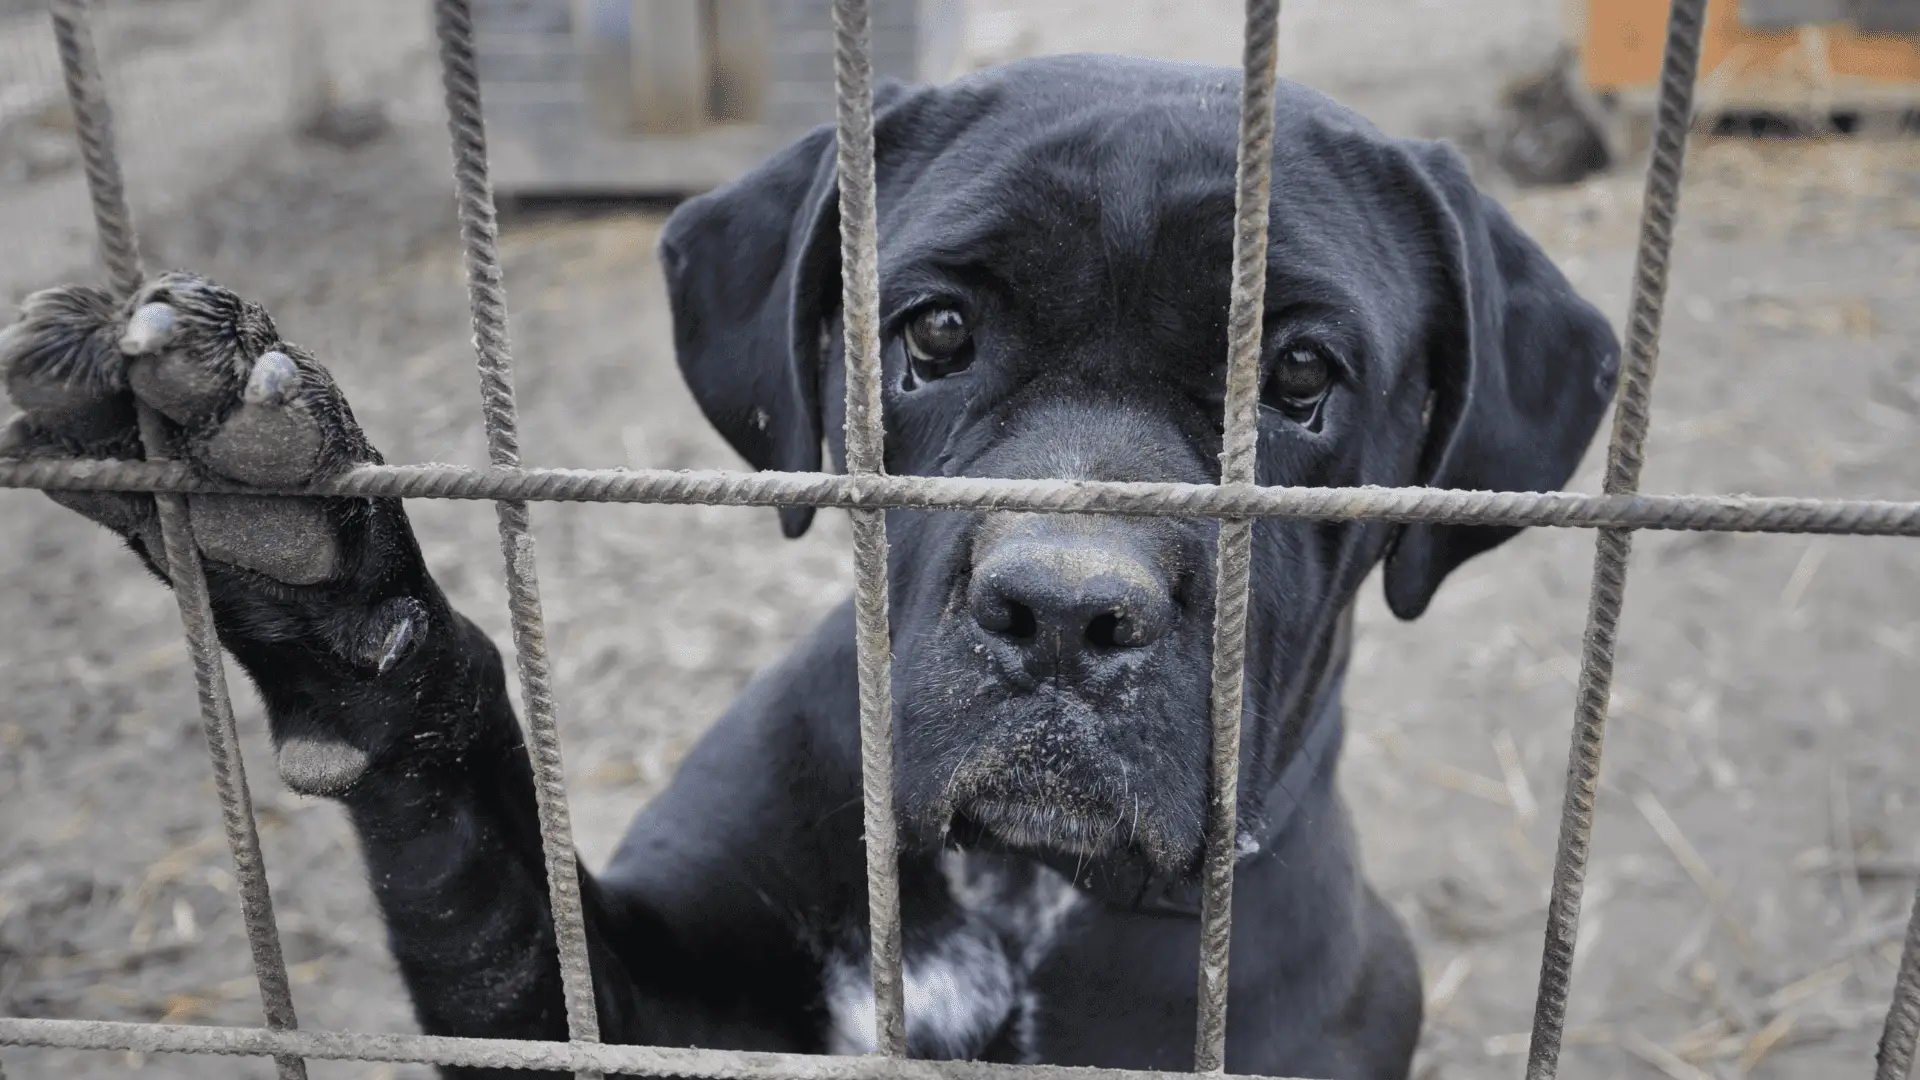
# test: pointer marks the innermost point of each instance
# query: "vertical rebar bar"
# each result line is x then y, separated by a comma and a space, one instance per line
1894, 1059
120, 248
1625, 455
1246, 306
486, 293
866, 439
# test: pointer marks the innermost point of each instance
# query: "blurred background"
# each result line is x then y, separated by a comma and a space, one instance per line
1759, 832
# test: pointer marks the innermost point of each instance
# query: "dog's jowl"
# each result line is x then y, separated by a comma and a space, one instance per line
1054, 246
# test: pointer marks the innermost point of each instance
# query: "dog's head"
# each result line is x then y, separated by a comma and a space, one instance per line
1055, 239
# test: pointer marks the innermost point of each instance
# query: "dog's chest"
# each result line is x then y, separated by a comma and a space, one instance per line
967, 981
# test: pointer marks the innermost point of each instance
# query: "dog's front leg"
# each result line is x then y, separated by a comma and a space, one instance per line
377, 692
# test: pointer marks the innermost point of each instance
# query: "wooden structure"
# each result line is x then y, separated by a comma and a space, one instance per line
1786, 66
1797, 59
671, 97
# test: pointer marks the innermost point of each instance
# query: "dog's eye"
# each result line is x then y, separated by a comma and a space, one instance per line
938, 343
1298, 379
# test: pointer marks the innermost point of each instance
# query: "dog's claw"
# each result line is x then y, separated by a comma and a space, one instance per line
12, 340
395, 628
149, 330
273, 378
15, 437
399, 639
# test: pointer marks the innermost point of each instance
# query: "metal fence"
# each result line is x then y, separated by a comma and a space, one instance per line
868, 492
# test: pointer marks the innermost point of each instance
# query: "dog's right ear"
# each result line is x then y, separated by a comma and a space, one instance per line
753, 272
1521, 367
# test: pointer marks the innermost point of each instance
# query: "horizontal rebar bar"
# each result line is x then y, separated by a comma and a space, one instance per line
1697, 513
654, 1061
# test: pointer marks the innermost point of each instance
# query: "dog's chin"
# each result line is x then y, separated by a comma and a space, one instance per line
1073, 832
1042, 778
1031, 828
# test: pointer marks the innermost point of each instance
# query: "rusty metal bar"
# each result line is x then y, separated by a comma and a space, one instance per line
1245, 310
486, 293
1625, 454
860, 309
120, 249
650, 1061
1431, 506
1895, 1055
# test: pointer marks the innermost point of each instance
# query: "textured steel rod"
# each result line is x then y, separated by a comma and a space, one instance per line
1429, 506
859, 233
1252, 199
866, 440
652, 1061
1625, 455
486, 294
120, 248
1894, 1059
100, 159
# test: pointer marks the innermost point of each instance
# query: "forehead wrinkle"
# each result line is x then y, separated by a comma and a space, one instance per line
1121, 213
1020, 221
1086, 187
1130, 181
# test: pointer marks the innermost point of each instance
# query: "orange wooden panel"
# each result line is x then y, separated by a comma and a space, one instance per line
1623, 39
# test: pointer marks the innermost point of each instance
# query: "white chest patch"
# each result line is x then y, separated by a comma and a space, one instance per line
958, 993
964, 985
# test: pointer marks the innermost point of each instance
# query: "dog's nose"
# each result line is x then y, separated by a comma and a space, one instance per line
1063, 599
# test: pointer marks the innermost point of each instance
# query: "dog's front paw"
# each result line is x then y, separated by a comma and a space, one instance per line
243, 406
334, 579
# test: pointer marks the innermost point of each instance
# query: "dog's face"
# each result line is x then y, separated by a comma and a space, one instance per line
1055, 240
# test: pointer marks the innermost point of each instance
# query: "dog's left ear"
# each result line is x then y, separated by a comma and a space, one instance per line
753, 270
753, 277
1521, 369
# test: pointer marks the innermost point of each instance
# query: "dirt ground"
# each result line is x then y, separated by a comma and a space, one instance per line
1756, 843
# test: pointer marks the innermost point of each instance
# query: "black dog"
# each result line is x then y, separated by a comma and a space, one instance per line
1054, 244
